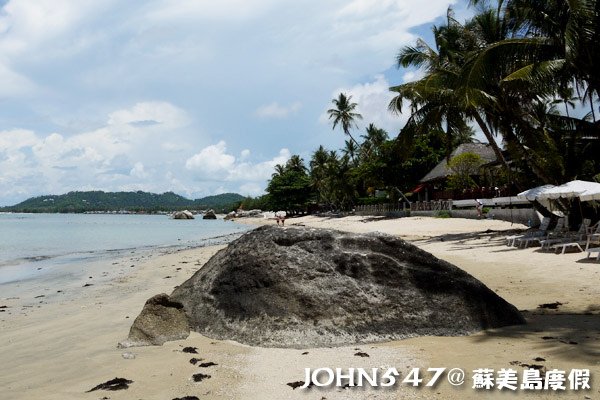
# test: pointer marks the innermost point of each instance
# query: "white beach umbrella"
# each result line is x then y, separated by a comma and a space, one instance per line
567, 190
592, 193
533, 193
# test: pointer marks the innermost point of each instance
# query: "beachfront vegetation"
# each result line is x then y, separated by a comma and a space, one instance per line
516, 70
522, 72
464, 166
77, 202
338, 180
289, 188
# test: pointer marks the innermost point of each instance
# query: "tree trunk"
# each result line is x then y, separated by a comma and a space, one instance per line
490, 138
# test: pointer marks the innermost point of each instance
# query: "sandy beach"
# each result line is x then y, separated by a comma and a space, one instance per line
63, 344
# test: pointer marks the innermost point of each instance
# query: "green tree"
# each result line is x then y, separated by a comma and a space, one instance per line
464, 166
440, 101
502, 70
351, 150
290, 188
344, 114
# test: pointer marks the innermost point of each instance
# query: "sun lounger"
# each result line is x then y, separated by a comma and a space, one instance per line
593, 235
558, 230
564, 246
541, 231
568, 238
594, 250
576, 241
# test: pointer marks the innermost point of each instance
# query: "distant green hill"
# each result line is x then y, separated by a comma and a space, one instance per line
77, 202
219, 201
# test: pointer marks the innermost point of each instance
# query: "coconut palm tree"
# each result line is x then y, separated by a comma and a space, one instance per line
375, 136
279, 170
318, 172
344, 114
351, 151
548, 50
440, 101
502, 69
295, 163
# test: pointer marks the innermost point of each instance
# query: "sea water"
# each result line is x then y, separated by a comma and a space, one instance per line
30, 243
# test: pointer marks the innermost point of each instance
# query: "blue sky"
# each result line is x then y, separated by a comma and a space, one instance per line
194, 96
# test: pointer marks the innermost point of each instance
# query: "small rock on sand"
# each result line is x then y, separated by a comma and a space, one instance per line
207, 364
113, 384
200, 377
190, 349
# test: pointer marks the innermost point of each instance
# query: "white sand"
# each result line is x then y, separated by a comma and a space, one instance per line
65, 345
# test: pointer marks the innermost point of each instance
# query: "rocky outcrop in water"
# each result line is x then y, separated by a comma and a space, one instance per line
185, 214
210, 214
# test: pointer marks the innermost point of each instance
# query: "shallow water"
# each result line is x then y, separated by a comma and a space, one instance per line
29, 242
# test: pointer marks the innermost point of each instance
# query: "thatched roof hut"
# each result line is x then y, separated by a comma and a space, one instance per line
441, 171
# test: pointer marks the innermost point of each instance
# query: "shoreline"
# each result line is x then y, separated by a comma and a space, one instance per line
80, 333
42, 266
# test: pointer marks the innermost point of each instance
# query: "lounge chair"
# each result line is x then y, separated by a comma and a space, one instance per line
569, 237
541, 231
592, 233
558, 230
593, 250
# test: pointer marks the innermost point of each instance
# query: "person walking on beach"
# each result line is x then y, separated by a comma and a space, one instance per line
479, 207
280, 216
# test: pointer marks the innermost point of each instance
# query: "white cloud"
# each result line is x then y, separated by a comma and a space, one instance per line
222, 10
258, 172
28, 24
380, 27
251, 189
214, 163
17, 139
274, 110
150, 113
66, 65
57, 163
13, 84
138, 171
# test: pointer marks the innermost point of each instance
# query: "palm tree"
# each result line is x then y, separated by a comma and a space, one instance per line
375, 135
373, 140
318, 172
279, 170
501, 70
344, 114
350, 150
440, 101
549, 49
295, 163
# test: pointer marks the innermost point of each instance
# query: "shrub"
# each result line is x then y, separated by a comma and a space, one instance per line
443, 214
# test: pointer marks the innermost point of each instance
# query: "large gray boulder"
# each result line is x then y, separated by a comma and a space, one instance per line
185, 214
161, 320
210, 214
300, 287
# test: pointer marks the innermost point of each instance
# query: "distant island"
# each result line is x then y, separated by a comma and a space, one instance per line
139, 202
